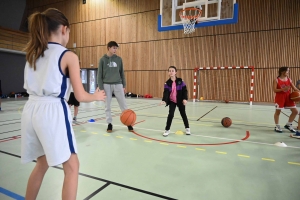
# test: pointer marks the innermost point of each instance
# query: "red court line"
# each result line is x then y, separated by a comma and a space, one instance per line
12, 138
138, 122
214, 144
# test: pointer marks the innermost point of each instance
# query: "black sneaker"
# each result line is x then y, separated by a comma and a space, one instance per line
130, 128
109, 128
290, 128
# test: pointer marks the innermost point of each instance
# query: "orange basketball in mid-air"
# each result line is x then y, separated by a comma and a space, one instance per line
295, 96
226, 122
128, 117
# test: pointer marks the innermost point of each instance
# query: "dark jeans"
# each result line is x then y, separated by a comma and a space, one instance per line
172, 108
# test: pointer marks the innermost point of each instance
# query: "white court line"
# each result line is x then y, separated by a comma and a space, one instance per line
261, 143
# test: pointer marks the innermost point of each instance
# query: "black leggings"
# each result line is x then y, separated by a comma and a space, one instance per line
172, 107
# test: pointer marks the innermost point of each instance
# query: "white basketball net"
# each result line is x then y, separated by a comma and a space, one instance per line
188, 25
189, 18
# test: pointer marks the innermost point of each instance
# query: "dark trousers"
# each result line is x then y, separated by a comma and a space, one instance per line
172, 108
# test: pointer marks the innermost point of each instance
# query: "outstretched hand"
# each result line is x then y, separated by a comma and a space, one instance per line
100, 94
184, 102
162, 102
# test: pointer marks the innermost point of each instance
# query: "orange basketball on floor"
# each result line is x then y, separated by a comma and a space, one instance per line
128, 117
295, 96
226, 122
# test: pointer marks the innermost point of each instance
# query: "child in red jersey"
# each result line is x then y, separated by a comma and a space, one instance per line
282, 87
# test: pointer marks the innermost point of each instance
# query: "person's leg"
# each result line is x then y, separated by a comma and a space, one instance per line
172, 108
71, 169
293, 115
76, 111
183, 115
276, 116
289, 124
120, 96
181, 108
108, 92
297, 134
36, 178
276, 120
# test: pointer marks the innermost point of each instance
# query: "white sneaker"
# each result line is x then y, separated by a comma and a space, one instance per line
278, 129
188, 131
166, 133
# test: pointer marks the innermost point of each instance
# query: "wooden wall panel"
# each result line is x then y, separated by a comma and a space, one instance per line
146, 5
128, 54
78, 35
112, 8
128, 28
147, 26
127, 7
100, 10
266, 36
14, 40
92, 5
146, 59
100, 30
113, 29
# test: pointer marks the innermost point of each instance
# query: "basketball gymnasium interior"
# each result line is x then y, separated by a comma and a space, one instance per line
227, 52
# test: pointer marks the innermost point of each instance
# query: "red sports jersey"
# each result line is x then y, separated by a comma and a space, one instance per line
282, 99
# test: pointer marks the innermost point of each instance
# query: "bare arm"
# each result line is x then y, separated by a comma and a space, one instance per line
70, 63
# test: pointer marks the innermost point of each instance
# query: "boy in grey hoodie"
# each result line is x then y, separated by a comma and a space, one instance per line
111, 79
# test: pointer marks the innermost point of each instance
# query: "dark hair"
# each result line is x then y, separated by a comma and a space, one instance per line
40, 26
112, 44
173, 68
282, 69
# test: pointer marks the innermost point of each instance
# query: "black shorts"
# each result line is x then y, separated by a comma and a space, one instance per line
73, 101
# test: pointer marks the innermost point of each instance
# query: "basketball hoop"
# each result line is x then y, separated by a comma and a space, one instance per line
189, 17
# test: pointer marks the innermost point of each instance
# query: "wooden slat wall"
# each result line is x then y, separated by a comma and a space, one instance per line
11, 39
266, 36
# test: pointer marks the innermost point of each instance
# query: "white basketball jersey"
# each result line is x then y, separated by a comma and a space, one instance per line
48, 78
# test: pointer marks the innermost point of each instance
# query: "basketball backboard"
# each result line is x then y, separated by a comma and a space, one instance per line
214, 12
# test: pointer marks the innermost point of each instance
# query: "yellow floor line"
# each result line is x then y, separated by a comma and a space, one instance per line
119, 136
83, 131
245, 156
164, 143
268, 159
19, 109
293, 163
133, 139
199, 149
147, 141
220, 152
181, 146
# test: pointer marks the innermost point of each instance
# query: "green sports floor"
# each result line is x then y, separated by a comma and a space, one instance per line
241, 162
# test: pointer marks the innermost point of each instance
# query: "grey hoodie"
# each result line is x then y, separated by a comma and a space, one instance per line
110, 71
